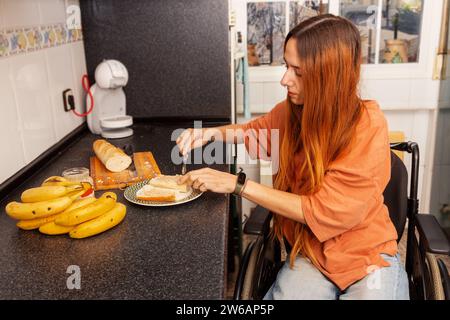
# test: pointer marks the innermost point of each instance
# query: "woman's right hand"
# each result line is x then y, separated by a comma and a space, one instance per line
193, 138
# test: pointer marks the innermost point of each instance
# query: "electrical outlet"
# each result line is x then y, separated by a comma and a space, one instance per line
68, 100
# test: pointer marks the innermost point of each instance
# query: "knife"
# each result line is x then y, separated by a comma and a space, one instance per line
129, 150
183, 166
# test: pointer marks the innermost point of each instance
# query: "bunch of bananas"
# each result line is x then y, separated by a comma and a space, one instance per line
55, 208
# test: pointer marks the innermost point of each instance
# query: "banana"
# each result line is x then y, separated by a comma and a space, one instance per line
105, 203
79, 203
58, 181
34, 223
41, 209
100, 224
37, 223
51, 228
48, 192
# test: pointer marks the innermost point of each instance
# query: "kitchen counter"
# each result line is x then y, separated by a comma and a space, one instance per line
176, 252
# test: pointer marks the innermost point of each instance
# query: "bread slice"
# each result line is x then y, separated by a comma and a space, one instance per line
149, 193
169, 182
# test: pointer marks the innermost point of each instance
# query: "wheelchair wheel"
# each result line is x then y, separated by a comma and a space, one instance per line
247, 287
264, 262
435, 290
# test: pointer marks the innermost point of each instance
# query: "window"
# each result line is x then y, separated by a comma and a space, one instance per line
267, 24
391, 37
266, 32
301, 10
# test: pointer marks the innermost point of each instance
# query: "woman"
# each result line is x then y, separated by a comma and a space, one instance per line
334, 164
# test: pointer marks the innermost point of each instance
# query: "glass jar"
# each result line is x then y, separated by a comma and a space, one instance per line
79, 174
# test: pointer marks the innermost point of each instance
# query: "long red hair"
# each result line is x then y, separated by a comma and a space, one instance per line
329, 50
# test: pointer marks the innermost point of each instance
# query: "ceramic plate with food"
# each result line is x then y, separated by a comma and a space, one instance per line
161, 191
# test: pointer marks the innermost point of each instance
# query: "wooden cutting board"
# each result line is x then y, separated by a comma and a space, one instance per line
145, 168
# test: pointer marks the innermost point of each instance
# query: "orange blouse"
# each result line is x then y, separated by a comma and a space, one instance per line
349, 222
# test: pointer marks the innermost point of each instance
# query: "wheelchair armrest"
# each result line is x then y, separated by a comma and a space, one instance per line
432, 235
258, 222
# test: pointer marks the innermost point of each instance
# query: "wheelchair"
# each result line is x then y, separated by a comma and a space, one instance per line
428, 276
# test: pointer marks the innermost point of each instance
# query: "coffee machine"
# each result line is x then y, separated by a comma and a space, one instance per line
108, 117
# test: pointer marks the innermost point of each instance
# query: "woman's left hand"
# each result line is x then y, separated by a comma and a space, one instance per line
207, 179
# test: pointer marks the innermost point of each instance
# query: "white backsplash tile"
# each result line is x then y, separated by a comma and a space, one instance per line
20, 13
52, 11
423, 93
256, 97
389, 93
273, 93
59, 64
421, 127
2, 22
79, 69
30, 81
10, 138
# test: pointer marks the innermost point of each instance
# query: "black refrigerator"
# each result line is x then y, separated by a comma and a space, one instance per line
176, 52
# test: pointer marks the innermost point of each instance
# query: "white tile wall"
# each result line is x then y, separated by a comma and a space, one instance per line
52, 11
263, 96
273, 93
60, 58
31, 86
20, 13
10, 136
256, 97
79, 68
2, 24
388, 92
423, 92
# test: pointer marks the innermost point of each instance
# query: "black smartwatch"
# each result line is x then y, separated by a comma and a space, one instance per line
240, 182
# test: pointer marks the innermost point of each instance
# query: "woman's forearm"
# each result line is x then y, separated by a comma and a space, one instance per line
286, 204
231, 133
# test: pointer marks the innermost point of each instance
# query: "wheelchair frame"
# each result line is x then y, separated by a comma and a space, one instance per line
428, 276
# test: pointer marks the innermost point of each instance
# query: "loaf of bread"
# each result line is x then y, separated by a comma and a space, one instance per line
169, 182
149, 193
113, 158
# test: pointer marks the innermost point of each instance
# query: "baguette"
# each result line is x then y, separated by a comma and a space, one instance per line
149, 193
113, 158
168, 182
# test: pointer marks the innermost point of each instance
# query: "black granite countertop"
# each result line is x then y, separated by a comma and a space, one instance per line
176, 252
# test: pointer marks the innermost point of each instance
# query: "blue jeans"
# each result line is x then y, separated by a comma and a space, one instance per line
306, 282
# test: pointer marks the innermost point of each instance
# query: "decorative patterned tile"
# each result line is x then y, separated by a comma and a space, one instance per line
60, 34
4, 44
34, 38
15, 41
49, 35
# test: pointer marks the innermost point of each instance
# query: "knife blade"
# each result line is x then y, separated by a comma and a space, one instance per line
129, 150
183, 166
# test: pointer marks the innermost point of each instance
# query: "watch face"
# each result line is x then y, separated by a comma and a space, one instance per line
241, 178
